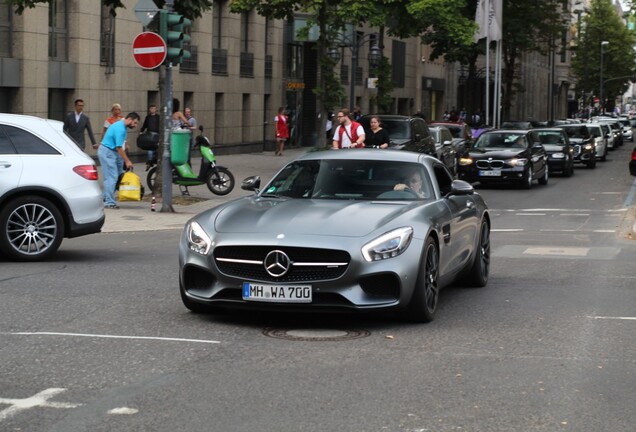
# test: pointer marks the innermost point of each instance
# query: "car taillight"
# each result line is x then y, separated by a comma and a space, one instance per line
634, 155
89, 172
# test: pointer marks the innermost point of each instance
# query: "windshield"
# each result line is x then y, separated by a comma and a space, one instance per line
456, 132
595, 131
551, 138
397, 129
501, 140
580, 132
351, 179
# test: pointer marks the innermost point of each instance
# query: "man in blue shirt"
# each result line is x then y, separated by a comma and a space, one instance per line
111, 154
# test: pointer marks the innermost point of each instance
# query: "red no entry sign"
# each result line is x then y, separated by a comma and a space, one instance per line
149, 50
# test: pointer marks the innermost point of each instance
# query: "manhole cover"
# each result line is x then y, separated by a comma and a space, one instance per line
315, 334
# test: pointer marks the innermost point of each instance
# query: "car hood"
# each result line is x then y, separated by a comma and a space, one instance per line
344, 218
552, 148
496, 153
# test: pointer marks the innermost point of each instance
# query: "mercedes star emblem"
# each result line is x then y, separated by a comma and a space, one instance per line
277, 263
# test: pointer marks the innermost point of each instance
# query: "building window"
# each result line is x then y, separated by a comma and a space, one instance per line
247, 58
58, 30
269, 66
190, 65
398, 63
5, 29
294, 63
219, 55
344, 74
107, 39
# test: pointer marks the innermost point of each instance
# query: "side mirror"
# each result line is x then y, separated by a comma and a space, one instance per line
251, 183
461, 187
537, 145
201, 128
447, 143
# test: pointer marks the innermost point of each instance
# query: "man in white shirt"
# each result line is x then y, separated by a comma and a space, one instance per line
349, 134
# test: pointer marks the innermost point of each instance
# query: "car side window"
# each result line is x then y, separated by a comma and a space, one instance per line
5, 144
444, 179
27, 143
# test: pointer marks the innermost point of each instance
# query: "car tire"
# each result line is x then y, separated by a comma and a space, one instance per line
426, 291
544, 180
569, 169
32, 228
479, 272
592, 163
527, 181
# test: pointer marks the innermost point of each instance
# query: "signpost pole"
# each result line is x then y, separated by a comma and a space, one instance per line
166, 171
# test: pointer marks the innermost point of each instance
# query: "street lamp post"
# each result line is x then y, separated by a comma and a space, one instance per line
354, 43
602, 100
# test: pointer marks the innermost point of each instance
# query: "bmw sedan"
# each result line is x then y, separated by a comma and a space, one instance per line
505, 156
340, 231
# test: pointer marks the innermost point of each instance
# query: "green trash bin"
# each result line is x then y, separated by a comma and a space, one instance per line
179, 146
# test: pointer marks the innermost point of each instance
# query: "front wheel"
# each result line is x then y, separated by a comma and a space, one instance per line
480, 270
591, 164
219, 180
527, 181
426, 291
31, 228
544, 180
151, 178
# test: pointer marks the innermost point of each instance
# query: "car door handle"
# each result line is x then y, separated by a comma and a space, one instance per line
4, 164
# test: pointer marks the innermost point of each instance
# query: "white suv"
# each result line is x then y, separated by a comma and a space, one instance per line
48, 188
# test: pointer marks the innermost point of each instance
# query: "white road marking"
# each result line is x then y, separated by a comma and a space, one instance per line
530, 214
507, 230
39, 400
613, 318
112, 337
563, 251
574, 214
604, 231
123, 411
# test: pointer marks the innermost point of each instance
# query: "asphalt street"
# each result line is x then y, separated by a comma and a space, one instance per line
97, 338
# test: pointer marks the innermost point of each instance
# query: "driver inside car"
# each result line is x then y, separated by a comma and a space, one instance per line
412, 183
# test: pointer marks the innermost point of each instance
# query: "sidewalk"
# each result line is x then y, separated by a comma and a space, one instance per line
137, 216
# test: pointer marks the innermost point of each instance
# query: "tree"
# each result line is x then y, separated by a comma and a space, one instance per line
602, 23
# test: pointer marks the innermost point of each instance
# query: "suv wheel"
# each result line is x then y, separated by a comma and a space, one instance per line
526, 183
31, 228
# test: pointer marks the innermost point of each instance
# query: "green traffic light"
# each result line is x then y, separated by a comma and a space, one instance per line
172, 28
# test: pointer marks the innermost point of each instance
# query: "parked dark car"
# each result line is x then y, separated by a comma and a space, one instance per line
498, 156
560, 151
445, 147
462, 135
583, 142
632, 163
406, 133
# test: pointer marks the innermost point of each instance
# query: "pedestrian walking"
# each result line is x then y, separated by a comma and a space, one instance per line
76, 122
282, 130
111, 154
349, 134
151, 124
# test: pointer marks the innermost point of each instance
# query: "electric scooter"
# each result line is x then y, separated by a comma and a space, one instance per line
217, 178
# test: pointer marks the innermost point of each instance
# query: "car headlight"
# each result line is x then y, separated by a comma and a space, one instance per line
388, 245
198, 240
518, 162
558, 155
589, 146
464, 161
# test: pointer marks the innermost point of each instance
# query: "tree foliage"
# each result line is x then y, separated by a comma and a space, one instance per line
602, 23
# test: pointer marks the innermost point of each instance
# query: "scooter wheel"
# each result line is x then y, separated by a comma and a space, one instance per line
220, 181
151, 177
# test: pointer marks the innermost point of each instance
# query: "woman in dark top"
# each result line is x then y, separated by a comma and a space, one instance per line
377, 137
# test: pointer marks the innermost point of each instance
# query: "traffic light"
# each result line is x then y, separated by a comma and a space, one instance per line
172, 29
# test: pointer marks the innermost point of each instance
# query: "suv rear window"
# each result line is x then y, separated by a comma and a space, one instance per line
25, 142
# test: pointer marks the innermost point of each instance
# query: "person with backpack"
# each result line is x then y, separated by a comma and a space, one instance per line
349, 134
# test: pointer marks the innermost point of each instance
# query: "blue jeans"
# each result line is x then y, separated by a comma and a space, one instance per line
111, 164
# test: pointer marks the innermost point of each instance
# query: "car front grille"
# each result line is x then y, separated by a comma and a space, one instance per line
307, 264
577, 150
488, 164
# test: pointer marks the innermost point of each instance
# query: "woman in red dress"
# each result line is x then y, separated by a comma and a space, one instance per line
282, 130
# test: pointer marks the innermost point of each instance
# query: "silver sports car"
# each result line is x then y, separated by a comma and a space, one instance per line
339, 230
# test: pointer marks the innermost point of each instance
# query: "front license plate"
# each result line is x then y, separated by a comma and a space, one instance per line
277, 293
491, 173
